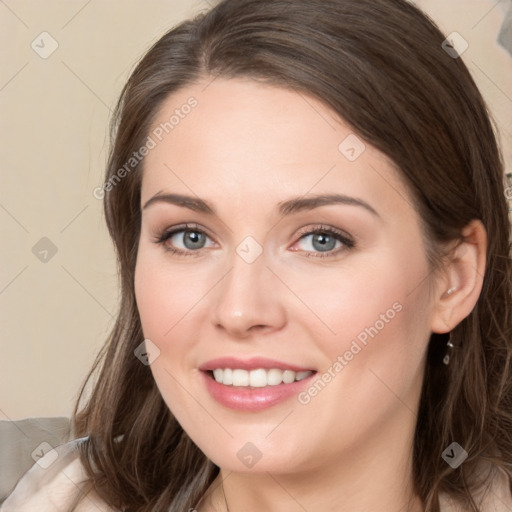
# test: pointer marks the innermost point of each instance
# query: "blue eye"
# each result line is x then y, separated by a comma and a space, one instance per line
325, 242
192, 239
322, 242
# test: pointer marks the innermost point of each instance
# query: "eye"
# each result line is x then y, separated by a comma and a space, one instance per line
320, 241
184, 240
323, 241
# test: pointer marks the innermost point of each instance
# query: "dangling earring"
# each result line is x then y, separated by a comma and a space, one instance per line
449, 344
446, 358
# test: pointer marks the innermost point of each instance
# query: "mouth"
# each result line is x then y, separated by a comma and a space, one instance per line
255, 384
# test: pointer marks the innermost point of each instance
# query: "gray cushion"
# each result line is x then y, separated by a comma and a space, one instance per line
505, 35
22, 442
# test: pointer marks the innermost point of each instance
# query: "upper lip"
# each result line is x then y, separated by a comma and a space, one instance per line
252, 363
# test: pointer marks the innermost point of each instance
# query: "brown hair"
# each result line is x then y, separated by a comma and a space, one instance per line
381, 66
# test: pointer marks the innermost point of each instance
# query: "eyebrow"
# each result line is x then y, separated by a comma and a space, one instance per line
288, 207
192, 203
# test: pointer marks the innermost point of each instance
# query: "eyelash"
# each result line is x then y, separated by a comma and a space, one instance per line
324, 230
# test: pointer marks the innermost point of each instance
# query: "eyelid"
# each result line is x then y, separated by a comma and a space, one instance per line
186, 226
323, 228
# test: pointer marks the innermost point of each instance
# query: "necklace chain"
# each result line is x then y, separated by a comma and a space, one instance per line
225, 499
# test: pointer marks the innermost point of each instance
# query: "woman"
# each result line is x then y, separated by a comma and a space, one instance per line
307, 204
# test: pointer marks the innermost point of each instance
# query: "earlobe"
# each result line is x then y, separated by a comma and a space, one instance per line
462, 280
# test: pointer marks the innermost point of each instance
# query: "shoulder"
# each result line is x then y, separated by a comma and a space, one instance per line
53, 483
495, 496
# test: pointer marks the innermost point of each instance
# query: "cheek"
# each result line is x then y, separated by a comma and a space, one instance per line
165, 301
380, 315
166, 295
373, 367
362, 297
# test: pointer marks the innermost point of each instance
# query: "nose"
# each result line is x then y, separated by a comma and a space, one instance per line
249, 300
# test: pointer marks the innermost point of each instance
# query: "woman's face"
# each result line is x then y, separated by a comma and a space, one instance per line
302, 261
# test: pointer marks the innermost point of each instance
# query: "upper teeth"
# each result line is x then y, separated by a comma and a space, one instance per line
257, 378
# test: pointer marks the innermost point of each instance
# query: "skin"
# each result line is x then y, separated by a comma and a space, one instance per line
245, 148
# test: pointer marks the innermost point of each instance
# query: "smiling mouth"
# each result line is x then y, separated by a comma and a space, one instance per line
258, 378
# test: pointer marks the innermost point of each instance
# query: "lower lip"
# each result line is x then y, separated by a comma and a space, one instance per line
253, 399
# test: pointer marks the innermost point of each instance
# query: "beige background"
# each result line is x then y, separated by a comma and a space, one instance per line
54, 315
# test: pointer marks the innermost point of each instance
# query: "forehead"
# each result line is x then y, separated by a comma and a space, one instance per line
247, 140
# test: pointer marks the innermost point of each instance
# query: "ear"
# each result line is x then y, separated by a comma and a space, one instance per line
460, 281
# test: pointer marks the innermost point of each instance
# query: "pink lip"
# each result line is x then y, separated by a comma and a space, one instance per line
252, 399
250, 364
246, 398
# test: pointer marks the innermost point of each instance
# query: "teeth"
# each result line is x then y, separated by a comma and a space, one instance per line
288, 377
240, 378
257, 378
227, 376
274, 377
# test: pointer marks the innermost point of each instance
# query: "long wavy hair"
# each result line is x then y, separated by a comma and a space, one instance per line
380, 65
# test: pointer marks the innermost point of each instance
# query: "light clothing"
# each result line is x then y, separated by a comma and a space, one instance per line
52, 484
